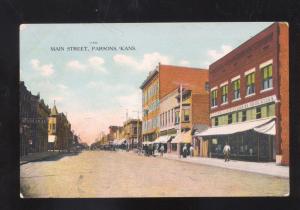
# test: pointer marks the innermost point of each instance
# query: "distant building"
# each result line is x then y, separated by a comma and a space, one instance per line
132, 132
249, 99
59, 130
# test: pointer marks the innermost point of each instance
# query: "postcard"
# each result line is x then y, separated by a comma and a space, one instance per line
130, 110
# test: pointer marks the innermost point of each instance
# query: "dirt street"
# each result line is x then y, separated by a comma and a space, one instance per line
123, 174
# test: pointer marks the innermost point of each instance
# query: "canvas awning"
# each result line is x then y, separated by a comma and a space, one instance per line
162, 139
269, 128
234, 128
121, 141
185, 137
51, 138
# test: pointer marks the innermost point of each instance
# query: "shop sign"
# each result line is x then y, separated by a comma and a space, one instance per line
34, 120
215, 141
251, 104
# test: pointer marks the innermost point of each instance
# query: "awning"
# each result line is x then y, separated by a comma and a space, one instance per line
234, 128
121, 141
51, 138
269, 128
162, 139
183, 138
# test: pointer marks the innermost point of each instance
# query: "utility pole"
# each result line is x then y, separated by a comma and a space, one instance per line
180, 115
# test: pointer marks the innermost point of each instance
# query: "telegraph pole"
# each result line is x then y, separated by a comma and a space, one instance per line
180, 115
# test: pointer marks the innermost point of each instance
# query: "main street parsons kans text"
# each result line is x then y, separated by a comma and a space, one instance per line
93, 48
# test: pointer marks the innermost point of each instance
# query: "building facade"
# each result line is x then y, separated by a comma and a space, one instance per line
249, 99
33, 122
161, 82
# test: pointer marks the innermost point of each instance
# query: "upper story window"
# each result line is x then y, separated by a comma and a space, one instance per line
236, 86
250, 83
267, 80
213, 98
186, 115
224, 90
177, 119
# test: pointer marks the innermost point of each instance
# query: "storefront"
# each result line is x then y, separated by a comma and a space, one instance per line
181, 139
251, 140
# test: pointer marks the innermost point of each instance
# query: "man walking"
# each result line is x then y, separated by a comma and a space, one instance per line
226, 152
191, 151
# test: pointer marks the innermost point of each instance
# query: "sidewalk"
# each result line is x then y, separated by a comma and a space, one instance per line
38, 156
269, 168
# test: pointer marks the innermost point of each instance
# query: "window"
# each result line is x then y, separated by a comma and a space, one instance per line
244, 116
214, 98
216, 121
258, 113
267, 77
224, 91
236, 89
169, 117
186, 115
271, 110
177, 117
229, 118
250, 79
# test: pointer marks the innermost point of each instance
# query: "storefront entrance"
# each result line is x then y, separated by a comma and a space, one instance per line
250, 146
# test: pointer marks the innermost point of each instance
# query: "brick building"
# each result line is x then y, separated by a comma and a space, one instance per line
33, 122
249, 99
161, 82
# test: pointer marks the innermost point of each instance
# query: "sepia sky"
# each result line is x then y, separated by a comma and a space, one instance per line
96, 87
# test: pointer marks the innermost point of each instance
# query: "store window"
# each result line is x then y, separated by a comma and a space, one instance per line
258, 113
229, 118
236, 89
244, 116
271, 110
214, 98
224, 91
216, 121
267, 81
250, 79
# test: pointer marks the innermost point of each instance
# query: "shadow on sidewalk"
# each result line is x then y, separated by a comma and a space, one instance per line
50, 157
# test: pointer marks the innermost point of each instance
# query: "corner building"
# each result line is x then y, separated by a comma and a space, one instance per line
249, 99
160, 82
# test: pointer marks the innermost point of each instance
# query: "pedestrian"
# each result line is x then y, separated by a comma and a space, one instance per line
226, 152
184, 150
191, 151
162, 149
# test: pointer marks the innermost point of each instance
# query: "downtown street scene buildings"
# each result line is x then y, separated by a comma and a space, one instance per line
43, 129
241, 100
180, 116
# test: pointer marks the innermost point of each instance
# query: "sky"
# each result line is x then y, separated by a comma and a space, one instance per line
96, 87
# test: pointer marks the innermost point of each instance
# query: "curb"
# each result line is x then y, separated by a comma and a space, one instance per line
237, 169
38, 159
